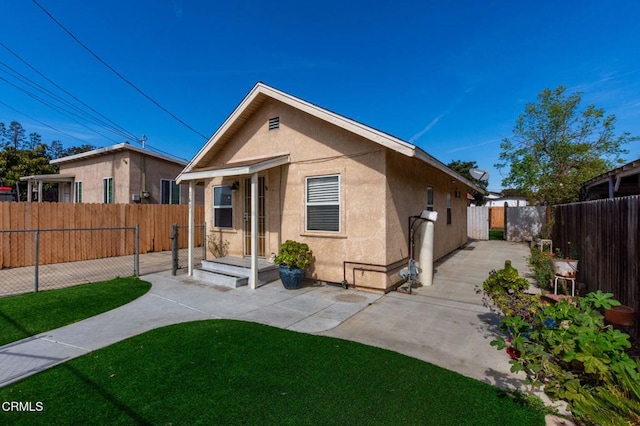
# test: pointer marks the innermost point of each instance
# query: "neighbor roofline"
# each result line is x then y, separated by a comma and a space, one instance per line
114, 148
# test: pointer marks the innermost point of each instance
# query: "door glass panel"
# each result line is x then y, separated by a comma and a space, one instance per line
261, 217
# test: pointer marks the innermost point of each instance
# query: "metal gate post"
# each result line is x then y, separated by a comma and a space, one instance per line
36, 248
136, 251
174, 249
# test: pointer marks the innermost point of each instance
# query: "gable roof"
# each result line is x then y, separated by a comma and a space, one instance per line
116, 148
262, 92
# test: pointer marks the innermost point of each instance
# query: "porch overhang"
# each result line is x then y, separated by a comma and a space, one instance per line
52, 178
248, 167
40, 180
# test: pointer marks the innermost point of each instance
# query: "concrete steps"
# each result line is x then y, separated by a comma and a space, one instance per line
234, 272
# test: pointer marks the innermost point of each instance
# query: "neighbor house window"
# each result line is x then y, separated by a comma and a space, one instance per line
323, 203
77, 192
430, 198
448, 208
169, 192
222, 207
107, 190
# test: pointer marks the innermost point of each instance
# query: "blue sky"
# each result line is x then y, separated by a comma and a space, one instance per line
449, 76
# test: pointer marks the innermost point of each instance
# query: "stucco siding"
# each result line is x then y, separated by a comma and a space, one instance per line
132, 172
92, 171
316, 148
407, 182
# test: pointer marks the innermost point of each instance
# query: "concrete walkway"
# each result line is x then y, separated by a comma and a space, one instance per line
172, 300
444, 324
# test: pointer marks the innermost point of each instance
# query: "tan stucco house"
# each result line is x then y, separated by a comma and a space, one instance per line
119, 173
282, 168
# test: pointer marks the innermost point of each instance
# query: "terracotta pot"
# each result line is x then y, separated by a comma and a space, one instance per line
620, 315
565, 267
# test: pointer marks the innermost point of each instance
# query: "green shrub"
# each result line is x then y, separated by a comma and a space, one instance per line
542, 266
293, 254
503, 291
569, 351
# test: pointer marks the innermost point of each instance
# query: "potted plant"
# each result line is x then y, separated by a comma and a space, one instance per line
294, 258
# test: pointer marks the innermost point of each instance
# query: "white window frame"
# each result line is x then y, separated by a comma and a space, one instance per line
222, 206
77, 192
108, 190
173, 186
323, 203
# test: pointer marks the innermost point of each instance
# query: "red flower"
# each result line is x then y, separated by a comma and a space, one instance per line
513, 352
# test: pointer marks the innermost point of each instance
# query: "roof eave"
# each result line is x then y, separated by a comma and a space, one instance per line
432, 161
231, 170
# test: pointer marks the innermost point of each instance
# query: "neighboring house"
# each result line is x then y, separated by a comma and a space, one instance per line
619, 182
507, 202
115, 174
289, 169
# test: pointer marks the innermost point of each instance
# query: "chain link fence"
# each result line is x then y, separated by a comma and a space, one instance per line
57, 258
179, 237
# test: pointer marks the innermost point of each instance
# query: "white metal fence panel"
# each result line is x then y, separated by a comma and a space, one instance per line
525, 223
478, 222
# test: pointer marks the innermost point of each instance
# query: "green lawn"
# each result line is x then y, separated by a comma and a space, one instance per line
33, 313
223, 372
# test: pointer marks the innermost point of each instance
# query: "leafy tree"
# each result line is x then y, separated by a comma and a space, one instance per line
3, 135
556, 147
21, 157
57, 150
15, 134
34, 141
462, 168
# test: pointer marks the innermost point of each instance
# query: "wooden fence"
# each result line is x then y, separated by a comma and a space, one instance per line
154, 221
606, 235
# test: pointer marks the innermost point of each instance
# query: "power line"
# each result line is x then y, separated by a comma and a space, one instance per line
42, 122
17, 75
54, 107
116, 72
123, 131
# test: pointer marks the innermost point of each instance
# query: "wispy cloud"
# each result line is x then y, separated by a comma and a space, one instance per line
462, 148
435, 121
429, 126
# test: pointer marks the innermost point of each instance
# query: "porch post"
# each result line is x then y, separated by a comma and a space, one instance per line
29, 190
39, 191
253, 278
192, 184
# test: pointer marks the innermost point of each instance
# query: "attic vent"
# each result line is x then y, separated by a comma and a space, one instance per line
274, 123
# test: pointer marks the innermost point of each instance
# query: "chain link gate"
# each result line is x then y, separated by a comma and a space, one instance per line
179, 238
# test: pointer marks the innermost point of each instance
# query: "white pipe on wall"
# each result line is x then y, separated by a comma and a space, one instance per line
425, 257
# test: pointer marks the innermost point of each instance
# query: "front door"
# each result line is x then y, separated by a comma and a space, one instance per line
247, 216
